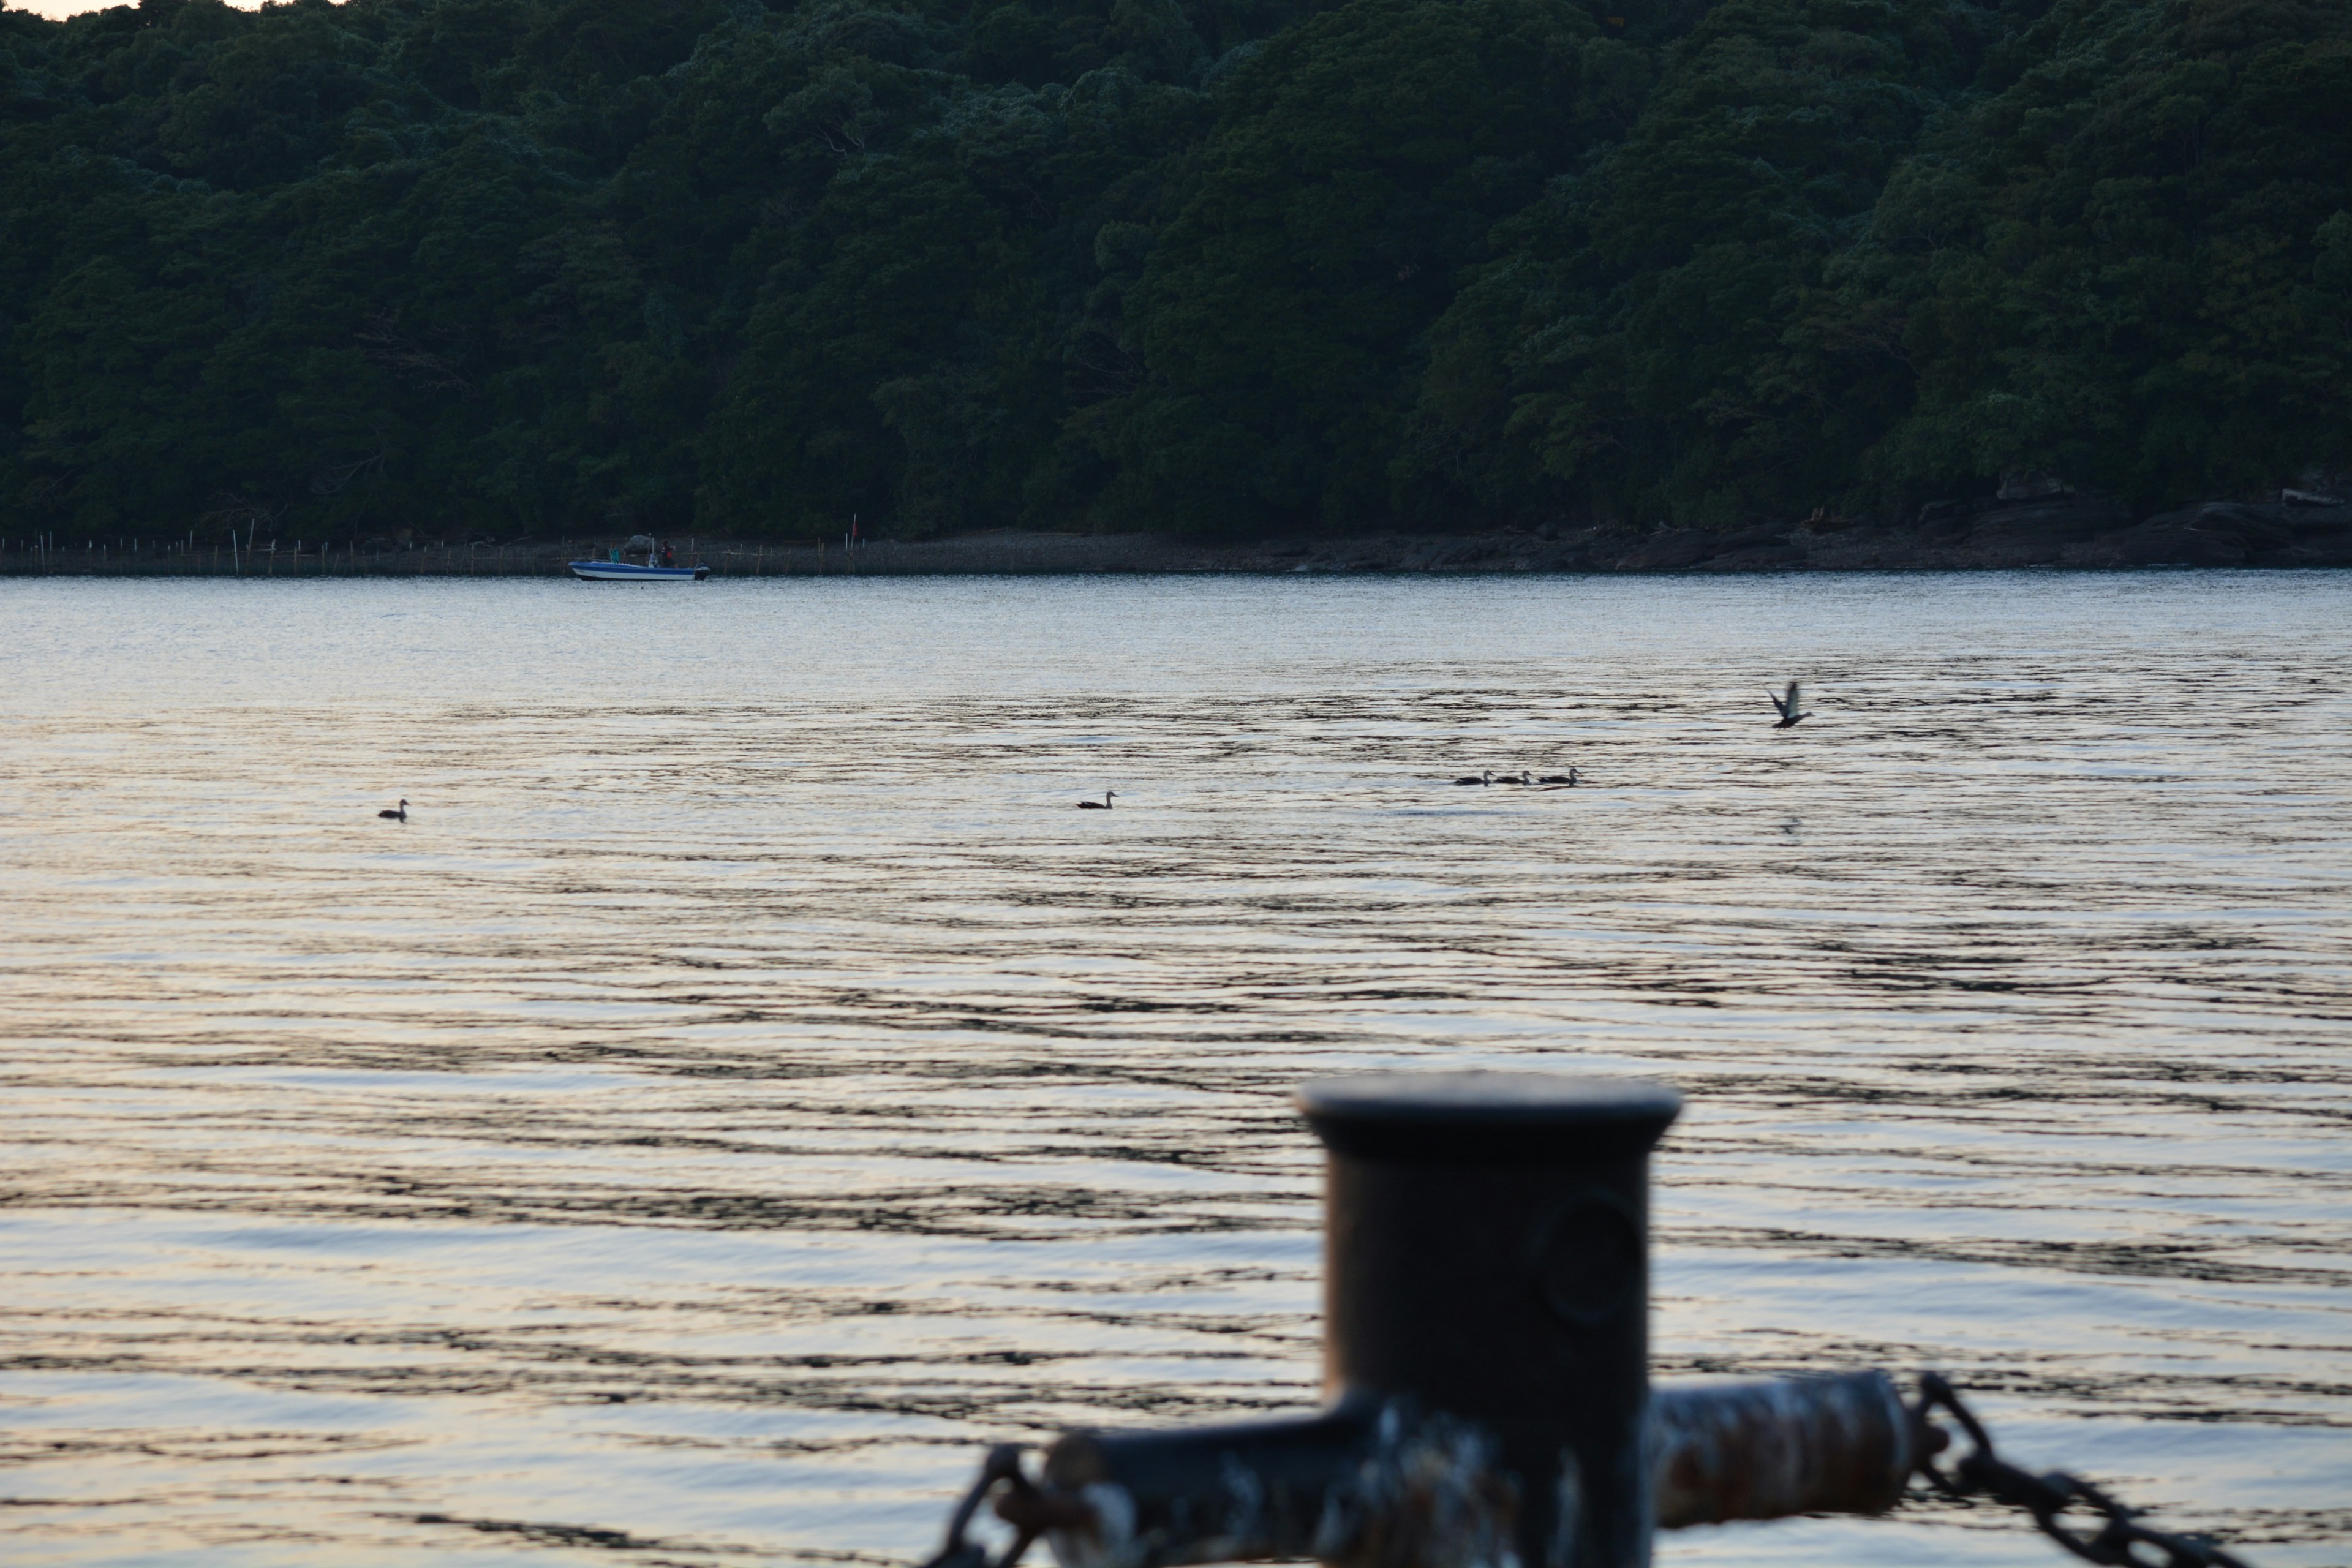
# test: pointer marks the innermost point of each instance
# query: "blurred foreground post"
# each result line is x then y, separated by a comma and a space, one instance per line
1486, 1356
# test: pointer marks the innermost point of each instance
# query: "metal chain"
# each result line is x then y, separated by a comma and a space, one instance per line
1003, 1465
2119, 1541
1028, 1511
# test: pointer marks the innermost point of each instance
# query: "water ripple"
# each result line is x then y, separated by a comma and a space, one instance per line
745, 1085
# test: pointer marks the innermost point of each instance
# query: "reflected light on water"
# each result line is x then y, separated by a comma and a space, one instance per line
745, 1085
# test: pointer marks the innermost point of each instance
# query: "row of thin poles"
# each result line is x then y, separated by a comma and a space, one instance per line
141, 557
40, 554
144, 557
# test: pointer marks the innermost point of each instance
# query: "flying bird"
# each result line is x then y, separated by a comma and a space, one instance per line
1102, 804
399, 815
1788, 707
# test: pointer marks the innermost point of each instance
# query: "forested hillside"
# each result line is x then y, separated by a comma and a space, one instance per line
502, 267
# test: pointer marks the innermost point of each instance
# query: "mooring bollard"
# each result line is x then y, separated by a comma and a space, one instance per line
1485, 1357
1487, 1258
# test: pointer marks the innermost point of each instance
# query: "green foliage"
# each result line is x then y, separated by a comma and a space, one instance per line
1644, 348
1356, 167
2119, 267
529, 266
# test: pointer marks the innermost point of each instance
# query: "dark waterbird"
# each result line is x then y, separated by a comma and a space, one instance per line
1102, 804
1788, 707
400, 815
1568, 778
1485, 778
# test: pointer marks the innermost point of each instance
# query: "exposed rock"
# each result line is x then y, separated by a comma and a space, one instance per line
2225, 533
1876, 550
2008, 554
1562, 555
1676, 549
2250, 527
2163, 544
1760, 558
2336, 551
2321, 536
2052, 519
1669, 550
1458, 552
2228, 533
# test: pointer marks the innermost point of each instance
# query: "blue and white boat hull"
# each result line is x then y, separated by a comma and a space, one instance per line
626, 572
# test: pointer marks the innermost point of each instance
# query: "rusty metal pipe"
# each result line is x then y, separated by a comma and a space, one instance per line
1840, 1443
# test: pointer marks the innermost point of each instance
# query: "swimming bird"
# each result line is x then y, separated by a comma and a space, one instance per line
1789, 714
1525, 778
1568, 778
399, 815
1102, 804
1486, 778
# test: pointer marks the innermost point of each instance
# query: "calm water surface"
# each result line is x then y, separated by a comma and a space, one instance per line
746, 1084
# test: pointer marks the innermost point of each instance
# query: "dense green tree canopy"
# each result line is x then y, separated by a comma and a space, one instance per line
500, 266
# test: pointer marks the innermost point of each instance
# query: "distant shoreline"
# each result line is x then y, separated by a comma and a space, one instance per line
2060, 532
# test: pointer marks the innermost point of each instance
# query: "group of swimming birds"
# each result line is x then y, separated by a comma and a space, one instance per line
1568, 778
1787, 706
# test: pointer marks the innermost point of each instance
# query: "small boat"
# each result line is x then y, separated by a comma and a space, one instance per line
630, 572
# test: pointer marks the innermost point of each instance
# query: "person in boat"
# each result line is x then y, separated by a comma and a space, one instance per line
668, 556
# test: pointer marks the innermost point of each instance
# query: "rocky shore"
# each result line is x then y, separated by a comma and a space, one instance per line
2299, 528
2064, 531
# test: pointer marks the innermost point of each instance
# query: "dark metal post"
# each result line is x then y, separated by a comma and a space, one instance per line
1486, 1256
1486, 1352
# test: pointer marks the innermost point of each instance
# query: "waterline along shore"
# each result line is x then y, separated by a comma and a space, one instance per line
2221, 533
